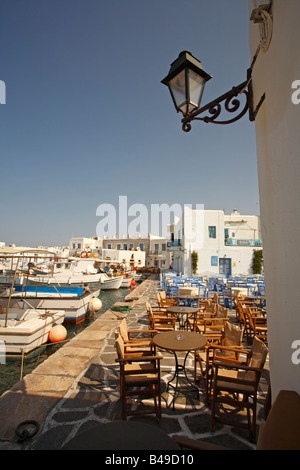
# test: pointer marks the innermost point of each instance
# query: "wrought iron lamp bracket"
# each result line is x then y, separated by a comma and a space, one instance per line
238, 100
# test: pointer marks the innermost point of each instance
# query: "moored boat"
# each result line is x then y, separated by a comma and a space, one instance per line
76, 272
74, 301
22, 331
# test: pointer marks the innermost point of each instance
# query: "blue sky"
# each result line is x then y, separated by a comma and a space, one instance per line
86, 118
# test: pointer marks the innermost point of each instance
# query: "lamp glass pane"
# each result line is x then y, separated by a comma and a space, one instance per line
196, 84
177, 86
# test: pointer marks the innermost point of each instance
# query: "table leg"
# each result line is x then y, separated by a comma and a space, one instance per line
178, 368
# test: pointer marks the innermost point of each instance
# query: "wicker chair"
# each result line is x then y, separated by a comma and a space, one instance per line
236, 385
225, 348
160, 320
139, 379
136, 341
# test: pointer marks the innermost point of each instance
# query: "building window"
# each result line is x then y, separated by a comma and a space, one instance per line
131, 246
214, 261
118, 246
109, 246
125, 246
212, 231
164, 247
142, 246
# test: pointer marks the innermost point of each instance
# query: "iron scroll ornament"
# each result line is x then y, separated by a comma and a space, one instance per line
232, 104
232, 100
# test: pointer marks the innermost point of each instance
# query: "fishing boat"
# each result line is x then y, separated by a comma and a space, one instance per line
22, 331
110, 282
75, 272
75, 302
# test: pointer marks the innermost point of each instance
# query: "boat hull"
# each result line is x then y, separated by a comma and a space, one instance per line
73, 301
111, 283
27, 329
92, 280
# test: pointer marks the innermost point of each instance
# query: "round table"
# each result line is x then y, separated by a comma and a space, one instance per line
182, 312
122, 435
174, 341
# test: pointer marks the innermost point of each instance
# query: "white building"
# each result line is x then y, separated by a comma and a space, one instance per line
150, 251
77, 245
130, 258
156, 250
277, 74
224, 243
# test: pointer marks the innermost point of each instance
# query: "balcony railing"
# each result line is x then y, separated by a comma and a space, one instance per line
242, 242
174, 243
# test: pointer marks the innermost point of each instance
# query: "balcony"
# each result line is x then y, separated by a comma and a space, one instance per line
243, 242
174, 244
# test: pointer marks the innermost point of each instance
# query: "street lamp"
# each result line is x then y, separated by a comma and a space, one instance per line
186, 81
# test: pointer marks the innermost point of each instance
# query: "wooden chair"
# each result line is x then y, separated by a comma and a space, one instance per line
257, 324
160, 320
141, 344
243, 319
163, 301
139, 378
225, 348
212, 326
235, 386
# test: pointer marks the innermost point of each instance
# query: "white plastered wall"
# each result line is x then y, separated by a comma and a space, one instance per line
278, 151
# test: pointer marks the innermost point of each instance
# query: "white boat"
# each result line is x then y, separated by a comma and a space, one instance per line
126, 282
76, 272
24, 330
74, 301
109, 283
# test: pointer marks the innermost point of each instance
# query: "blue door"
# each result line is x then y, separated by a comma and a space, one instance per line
225, 266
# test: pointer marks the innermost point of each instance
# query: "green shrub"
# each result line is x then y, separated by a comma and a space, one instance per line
256, 261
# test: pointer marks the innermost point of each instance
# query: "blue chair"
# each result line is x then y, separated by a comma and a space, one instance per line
228, 298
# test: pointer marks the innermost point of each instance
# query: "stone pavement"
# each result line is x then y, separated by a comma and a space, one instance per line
78, 387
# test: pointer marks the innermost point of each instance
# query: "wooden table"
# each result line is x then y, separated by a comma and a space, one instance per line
122, 435
183, 313
174, 341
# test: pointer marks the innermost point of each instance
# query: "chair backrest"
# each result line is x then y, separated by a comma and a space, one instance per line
119, 345
222, 312
259, 352
123, 330
209, 306
149, 310
233, 335
162, 295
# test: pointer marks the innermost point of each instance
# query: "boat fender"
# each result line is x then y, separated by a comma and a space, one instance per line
57, 334
95, 305
84, 254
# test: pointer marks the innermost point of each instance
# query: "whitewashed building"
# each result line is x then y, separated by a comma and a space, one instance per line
156, 250
224, 243
77, 245
277, 75
151, 251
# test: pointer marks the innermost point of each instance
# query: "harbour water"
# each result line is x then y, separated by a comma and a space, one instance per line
13, 369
